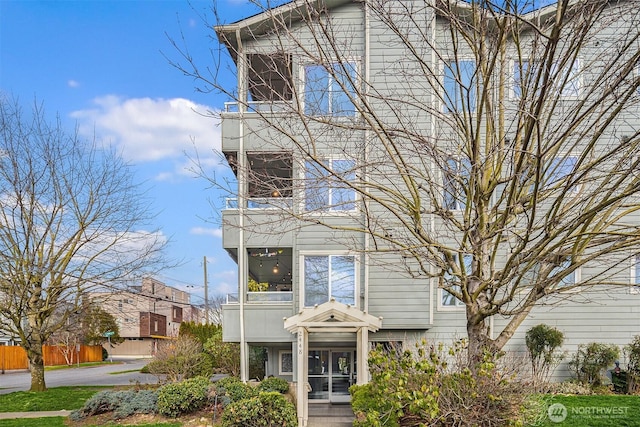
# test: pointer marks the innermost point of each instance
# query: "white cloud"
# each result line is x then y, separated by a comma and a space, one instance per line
201, 231
149, 130
73, 83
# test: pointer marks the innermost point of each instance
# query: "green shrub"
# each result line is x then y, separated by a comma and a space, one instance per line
274, 384
591, 360
542, 342
633, 366
235, 390
180, 398
122, 403
267, 409
435, 386
369, 409
180, 359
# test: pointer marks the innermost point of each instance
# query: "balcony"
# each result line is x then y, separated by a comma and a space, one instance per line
261, 107
267, 297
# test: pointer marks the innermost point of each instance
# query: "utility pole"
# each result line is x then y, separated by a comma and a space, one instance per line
206, 294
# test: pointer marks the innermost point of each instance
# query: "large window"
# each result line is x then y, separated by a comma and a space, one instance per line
326, 185
329, 90
331, 276
567, 84
455, 180
447, 299
460, 86
558, 169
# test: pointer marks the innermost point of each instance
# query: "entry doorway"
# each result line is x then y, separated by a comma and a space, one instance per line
331, 373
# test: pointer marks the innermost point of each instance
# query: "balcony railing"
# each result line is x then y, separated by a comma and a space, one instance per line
258, 107
263, 297
262, 203
279, 296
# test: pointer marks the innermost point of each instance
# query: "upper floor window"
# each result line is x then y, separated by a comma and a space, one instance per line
326, 185
564, 277
559, 169
566, 84
330, 276
455, 180
459, 86
329, 90
635, 276
447, 299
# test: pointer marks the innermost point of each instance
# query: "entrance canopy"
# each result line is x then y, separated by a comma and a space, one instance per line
332, 316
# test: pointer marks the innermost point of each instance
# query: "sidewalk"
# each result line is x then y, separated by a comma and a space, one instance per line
34, 414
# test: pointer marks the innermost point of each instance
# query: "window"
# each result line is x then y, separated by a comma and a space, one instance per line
558, 170
285, 364
565, 279
635, 276
459, 86
525, 75
456, 178
331, 276
329, 91
325, 191
448, 300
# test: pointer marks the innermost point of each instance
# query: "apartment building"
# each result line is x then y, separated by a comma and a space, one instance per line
147, 314
371, 150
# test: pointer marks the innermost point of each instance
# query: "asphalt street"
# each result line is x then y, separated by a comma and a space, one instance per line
111, 374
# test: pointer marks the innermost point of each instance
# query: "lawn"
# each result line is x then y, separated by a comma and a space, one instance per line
591, 411
54, 399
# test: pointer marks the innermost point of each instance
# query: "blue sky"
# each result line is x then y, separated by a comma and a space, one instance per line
100, 66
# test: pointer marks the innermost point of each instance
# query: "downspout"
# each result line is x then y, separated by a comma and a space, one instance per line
367, 135
433, 290
242, 264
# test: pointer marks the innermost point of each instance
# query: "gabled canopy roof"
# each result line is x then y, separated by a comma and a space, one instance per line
332, 315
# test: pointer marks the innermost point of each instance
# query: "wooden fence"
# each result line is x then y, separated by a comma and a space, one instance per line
15, 357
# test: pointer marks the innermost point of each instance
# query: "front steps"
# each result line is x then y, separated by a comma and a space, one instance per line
330, 415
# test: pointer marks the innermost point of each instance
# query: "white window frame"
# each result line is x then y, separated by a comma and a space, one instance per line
459, 204
547, 173
576, 80
329, 209
303, 90
563, 282
635, 275
445, 68
356, 269
281, 353
458, 305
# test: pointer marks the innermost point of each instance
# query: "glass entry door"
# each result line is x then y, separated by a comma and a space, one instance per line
331, 373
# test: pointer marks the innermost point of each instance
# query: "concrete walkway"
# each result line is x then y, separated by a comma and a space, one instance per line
34, 414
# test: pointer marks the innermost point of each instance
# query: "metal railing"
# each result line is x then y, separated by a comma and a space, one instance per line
258, 107
261, 203
263, 297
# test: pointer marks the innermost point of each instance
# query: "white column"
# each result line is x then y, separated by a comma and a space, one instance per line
363, 353
302, 353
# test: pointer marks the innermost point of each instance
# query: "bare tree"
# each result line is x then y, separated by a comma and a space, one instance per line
71, 221
493, 147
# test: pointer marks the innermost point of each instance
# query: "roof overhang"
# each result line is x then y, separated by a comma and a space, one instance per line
332, 316
231, 35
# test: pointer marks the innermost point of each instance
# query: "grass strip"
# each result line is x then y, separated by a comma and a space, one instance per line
54, 399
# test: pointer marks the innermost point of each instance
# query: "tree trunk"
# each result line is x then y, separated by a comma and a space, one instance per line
36, 362
478, 336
